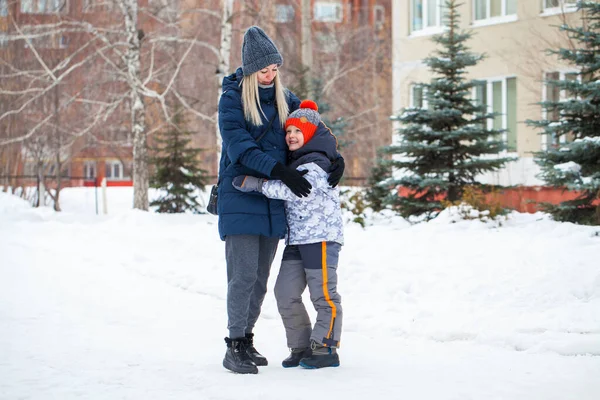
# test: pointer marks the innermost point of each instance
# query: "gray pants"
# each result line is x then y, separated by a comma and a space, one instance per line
249, 259
315, 266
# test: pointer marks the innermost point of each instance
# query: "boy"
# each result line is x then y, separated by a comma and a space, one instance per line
313, 242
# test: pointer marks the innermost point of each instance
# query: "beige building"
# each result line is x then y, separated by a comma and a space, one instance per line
514, 36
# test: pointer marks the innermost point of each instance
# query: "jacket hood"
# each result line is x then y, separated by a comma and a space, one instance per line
321, 149
232, 82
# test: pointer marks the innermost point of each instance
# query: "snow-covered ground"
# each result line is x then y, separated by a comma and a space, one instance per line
131, 305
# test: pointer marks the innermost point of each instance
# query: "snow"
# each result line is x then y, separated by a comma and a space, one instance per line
569, 166
131, 305
185, 171
592, 139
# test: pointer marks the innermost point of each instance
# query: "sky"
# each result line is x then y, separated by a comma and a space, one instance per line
131, 305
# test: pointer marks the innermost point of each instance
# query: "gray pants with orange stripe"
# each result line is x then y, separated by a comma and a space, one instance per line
313, 265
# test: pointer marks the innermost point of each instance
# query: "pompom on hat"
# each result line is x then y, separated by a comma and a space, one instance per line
258, 51
306, 118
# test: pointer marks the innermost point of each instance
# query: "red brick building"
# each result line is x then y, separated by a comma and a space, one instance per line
351, 55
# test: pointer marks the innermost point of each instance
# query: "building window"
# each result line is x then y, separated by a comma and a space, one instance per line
559, 5
418, 98
45, 40
89, 170
26, 6
328, 11
3, 8
486, 9
284, 13
114, 170
328, 42
426, 14
554, 94
65, 171
42, 6
480, 98
63, 42
500, 97
378, 17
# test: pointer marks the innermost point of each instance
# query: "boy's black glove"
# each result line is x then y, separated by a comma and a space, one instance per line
336, 172
292, 179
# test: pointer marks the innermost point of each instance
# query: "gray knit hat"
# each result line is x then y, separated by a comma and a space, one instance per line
258, 51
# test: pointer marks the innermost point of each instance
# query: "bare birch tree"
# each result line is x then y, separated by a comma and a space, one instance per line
138, 53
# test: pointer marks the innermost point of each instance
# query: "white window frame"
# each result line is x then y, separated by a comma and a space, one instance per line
412, 97
90, 166
51, 170
26, 6
49, 6
43, 39
562, 73
490, 106
91, 6
503, 18
338, 11
112, 164
563, 8
63, 42
378, 17
284, 13
3, 8
429, 30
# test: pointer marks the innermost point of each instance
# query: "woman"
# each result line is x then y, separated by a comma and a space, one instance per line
252, 110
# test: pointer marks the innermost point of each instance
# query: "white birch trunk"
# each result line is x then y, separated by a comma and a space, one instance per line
224, 64
306, 46
138, 110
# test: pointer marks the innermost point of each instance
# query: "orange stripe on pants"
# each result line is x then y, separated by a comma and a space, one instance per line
325, 290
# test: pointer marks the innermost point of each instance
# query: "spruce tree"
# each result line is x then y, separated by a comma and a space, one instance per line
443, 147
377, 184
176, 170
576, 165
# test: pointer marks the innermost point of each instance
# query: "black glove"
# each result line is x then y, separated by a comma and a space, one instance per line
336, 172
292, 179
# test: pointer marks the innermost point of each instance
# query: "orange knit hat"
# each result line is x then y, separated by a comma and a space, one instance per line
306, 118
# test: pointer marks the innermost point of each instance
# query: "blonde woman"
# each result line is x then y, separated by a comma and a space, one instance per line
253, 108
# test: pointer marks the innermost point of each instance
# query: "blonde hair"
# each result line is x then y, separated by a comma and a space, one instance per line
251, 100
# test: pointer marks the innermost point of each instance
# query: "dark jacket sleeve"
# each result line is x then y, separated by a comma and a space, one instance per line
237, 141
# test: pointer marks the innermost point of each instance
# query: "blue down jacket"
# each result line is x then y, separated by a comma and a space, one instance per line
249, 213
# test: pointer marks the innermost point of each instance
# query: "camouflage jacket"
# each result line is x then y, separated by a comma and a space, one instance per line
312, 219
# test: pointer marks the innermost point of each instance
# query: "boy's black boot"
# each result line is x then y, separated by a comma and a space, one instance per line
321, 357
236, 358
295, 356
255, 356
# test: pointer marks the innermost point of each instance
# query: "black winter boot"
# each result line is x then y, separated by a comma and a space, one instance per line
237, 359
295, 356
255, 356
321, 357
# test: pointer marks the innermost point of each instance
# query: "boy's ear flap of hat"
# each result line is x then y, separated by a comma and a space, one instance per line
258, 51
306, 118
